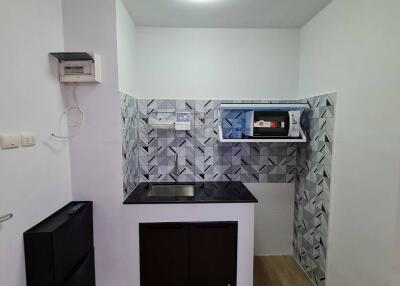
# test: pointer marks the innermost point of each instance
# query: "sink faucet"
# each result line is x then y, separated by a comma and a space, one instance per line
176, 164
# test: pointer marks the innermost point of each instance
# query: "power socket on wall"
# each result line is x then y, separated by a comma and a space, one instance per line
28, 140
12, 140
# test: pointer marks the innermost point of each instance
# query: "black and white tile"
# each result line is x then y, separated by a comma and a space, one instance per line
313, 178
200, 156
130, 143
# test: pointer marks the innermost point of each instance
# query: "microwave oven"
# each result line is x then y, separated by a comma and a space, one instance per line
272, 124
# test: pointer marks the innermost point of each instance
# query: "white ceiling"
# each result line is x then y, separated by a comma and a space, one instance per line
224, 13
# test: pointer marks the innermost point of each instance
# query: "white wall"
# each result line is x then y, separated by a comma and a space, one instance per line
96, 163
34, 182
126, 49
217, 63
353, 47
242, 213
273, 218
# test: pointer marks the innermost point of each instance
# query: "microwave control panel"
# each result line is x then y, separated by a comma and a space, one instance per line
294, 126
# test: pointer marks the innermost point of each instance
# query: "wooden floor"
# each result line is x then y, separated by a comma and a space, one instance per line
278, 271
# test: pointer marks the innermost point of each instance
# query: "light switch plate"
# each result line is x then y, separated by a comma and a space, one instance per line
9, 141
28, 140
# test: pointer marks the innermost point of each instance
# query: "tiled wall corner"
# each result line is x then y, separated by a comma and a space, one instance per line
313, 179
130, 144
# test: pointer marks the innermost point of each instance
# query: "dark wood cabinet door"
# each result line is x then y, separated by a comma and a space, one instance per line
164, 254
213, 254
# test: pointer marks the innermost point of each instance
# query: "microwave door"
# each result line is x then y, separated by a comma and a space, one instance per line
271, 124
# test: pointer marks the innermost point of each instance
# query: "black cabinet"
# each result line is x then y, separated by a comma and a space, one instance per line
188, 254
213, 248
59, 250
164, 254
84, 272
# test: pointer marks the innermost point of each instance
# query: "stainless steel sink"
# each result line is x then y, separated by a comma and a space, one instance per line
172, 190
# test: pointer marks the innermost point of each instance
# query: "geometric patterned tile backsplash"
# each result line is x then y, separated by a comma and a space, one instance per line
149, 156
130, 150
149, 152
313, 187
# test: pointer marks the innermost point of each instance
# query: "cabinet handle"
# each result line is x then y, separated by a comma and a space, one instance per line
5, 217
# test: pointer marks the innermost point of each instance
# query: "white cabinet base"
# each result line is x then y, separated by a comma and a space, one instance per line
243, 213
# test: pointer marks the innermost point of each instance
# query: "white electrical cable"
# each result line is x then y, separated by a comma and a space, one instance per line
67, 112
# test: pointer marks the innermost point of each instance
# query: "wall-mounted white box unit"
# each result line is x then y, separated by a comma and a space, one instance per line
246, 108
79, 67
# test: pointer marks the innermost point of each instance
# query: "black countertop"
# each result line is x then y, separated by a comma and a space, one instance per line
204, 192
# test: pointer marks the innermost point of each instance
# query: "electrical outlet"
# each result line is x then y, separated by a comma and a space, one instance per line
28, 140
9, 141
